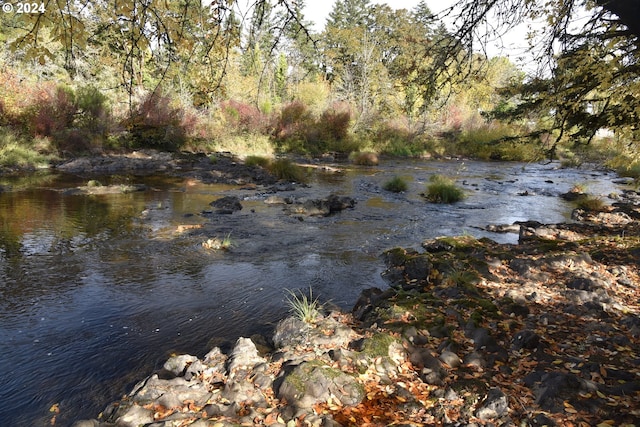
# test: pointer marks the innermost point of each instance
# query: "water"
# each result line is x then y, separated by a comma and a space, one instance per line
97, 291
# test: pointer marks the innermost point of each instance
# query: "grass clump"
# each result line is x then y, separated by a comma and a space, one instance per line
305, 308
17, 151
286, 170
589, 203
257, 161
396, 185
365, 158
443, 190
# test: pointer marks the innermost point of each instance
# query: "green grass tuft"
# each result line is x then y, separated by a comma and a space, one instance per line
588, 203
443, 190
306, 308
257, 161
396, 185
286, 170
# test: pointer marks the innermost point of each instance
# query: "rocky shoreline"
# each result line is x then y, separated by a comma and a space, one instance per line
470, 332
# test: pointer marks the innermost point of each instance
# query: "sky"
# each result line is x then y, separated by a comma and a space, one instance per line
317, 11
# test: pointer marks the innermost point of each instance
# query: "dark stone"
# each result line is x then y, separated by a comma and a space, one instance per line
585, 284
226, 205
418, 267
553, 388
516, 309
434, 246
366, 302
572, 196
542, 420
526, 339
432, 371
339, 203
395, 257
482, 340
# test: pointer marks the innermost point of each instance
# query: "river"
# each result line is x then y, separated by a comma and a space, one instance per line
98, 291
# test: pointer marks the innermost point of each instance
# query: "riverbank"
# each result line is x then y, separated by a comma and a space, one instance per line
470, 332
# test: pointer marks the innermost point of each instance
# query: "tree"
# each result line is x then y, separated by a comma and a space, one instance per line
150, 41
592, 78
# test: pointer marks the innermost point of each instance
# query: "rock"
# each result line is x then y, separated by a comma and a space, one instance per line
175, 390
86, 423
135, 416
603, 218
395, 257
314, 382
526, 339
276, 200
573, 195
366, 302
437, 245
244, 355
431, 370
339, 203
177, 365
474, 359
503, 228
322, 207
450, 358
494, 405
227, 205
553, 388
482, 340
290, 332
418, 267
586, 283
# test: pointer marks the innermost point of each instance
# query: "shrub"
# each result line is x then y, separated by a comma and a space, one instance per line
293, 122
365, 158
244, 117
286, 170
488, 142
443, 190
52, 111
334, 122
155, 123
396, 185
92, 110
15, 151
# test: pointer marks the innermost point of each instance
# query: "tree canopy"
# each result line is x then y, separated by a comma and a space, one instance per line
589, 50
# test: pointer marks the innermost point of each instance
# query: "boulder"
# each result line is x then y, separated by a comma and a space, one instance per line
314, 382
322, 207
244, 356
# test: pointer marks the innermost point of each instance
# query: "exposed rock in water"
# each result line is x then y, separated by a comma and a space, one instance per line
322, 207
227, 205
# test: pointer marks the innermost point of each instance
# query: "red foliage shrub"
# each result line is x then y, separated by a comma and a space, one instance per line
54, 111
244, 117
156, 124
294, 120
335, 122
